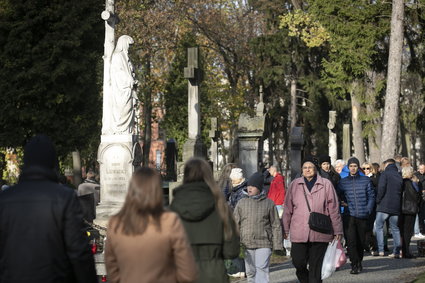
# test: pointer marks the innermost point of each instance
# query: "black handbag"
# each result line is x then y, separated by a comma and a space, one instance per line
318, 222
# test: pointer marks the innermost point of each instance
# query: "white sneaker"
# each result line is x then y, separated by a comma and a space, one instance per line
238, 275
420, 236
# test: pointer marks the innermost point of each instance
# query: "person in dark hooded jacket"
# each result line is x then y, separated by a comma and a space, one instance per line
42, 233
207, 220
388, 202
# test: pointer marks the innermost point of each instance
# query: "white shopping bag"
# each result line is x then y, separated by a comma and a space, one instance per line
330, 260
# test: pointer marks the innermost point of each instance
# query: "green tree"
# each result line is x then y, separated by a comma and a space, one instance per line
50, 54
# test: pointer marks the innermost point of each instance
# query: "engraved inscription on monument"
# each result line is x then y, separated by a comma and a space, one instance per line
115, 172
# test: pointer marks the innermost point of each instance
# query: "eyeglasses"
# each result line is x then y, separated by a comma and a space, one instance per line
366, 168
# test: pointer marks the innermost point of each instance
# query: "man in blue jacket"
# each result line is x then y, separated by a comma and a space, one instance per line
388, 201
358, 192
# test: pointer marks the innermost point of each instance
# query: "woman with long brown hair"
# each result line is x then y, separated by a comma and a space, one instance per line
144, 242
207, 219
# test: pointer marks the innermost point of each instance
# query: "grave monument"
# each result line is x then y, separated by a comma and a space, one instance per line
250, 137
119, 141
194, 145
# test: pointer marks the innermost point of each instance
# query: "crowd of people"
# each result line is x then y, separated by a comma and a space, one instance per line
209, 226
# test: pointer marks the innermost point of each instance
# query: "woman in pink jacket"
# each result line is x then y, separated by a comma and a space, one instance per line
308, 246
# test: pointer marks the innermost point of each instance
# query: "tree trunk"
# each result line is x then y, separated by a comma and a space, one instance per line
147, 114
293, 104
374, 139
357, 124
391, 112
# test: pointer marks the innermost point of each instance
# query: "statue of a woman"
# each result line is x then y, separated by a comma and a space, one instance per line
123, 84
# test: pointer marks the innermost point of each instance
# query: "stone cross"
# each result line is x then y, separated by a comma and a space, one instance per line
193, 73
110, 20
332, 136
260, 105
346, 142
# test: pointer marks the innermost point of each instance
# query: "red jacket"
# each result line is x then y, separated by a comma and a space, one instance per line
277, 190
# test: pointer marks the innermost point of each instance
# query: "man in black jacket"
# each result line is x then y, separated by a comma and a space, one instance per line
42, 235
388, 202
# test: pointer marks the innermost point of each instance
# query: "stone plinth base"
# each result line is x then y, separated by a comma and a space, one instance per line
115, 157
104, 211
193, 148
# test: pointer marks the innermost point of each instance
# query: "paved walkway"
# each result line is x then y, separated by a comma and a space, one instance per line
375, 269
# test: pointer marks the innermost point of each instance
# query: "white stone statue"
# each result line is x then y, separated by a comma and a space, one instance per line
123, 96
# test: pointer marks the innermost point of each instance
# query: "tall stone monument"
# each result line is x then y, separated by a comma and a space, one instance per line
250, 137
193, 146
118, 140
332, 137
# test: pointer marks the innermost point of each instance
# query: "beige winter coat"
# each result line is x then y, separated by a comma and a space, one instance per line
155, 256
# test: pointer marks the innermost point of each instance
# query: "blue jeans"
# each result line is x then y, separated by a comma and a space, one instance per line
393, 219
417, 231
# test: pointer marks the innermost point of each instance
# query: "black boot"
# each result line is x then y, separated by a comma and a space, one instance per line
354, 269
360, 267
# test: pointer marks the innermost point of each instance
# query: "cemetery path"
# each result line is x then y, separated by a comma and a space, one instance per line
375, 269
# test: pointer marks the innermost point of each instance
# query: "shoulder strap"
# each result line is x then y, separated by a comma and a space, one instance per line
305, 195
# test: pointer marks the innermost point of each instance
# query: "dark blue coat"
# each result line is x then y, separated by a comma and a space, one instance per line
359, 194
237, 193
389, 191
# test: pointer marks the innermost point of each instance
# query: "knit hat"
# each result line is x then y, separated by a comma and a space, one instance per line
311, 159
236, 174
40, 152
324, 158
353, 160
256, 180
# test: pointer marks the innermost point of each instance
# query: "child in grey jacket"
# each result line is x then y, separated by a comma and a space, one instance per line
260, 229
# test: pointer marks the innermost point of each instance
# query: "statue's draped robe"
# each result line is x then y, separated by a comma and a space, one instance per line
120, 102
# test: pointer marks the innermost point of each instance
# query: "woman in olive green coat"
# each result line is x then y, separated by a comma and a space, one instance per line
207, 220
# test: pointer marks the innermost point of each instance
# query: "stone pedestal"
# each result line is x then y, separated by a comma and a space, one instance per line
193, 147
250, 133
115, 157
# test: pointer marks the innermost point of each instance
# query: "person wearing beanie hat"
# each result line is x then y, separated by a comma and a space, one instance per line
358, 193
236, 174
326, 170
260, 229
256, 180
44, 219
309, 193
